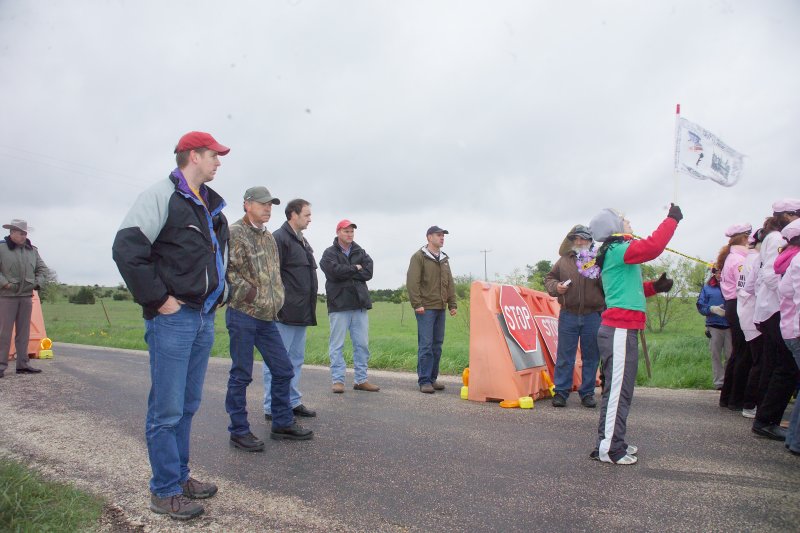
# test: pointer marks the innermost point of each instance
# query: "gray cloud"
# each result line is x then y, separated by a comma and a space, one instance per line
506, 123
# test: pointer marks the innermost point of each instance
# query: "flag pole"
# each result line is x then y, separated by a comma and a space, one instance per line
677, 154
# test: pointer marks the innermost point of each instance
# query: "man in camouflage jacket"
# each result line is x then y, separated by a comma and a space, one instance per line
256, 297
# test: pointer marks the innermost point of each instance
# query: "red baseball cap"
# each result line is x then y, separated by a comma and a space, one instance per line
345, 224
200, 139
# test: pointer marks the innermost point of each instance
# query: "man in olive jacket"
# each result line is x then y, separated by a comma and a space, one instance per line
431, 290
299, 277
580, 294
21, 272
256, 296
347, 269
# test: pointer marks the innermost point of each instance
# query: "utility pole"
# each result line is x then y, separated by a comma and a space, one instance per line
485, 271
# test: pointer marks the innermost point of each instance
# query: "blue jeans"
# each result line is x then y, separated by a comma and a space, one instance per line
247, 332
571, 329
430, 336
294, 340
179, 346
793, 433
358, 324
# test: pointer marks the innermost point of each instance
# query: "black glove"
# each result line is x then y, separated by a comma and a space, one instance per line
663, 283
675, 212
708, 333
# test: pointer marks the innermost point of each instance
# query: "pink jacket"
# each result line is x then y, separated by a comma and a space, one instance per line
729, 277
746, 301
766, 287
789, 291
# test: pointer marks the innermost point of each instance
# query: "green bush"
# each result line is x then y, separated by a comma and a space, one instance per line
84, 296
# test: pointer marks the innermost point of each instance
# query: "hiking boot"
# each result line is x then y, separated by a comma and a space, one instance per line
366, 386
588, 401
559, 401
749, 413
437, 386
293, 432
197, 490
338, 388
426, 388
247, 442
302, 410
178, 507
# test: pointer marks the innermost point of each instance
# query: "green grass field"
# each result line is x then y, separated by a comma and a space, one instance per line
29, 503
679, 355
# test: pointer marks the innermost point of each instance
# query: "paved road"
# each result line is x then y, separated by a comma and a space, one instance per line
399, 460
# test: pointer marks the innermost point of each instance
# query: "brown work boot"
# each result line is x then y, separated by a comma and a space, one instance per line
437, 385
178, 507
366, 386
427, 388
338, 388
197, 490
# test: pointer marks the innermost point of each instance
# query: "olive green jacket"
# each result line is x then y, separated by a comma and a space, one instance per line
430, 282
254, 271
21, 268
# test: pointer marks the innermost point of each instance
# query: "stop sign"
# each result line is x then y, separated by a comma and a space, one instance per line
519, 319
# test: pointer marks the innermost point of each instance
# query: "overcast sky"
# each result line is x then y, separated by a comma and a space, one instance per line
503, 122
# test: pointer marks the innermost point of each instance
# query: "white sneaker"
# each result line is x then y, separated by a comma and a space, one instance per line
627, 460
631, 449
749, 413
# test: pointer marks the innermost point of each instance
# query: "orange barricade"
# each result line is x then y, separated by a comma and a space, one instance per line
38, 332
501, 367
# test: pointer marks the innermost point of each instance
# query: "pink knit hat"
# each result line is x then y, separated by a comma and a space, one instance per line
787, 205
791, 230
736, 229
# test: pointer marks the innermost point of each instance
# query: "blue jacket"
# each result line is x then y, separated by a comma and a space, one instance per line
170, 244
711, 295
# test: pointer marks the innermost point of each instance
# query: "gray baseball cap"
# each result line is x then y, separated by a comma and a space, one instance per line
261, 195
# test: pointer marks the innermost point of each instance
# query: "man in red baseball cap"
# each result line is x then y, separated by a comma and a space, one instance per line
348, 268
171, 250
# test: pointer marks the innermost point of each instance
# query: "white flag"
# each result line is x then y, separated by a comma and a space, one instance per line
702, 155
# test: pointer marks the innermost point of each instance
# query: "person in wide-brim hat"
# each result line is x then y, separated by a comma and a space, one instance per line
19, 264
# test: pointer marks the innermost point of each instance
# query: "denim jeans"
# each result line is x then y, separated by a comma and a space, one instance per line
357, 322
179, 346
294, 340
247, 332
793, 434
573, 328
430, 336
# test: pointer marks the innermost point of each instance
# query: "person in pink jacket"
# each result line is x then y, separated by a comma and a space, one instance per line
745, 307
731, 257
767, 317
788, 265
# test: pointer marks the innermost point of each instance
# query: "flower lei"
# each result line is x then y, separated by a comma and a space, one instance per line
586, 262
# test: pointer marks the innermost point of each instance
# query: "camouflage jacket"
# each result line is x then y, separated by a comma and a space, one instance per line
254, 271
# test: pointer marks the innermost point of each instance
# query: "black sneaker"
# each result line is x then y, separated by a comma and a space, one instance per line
589, 401
771, 431
197, 490
293, 432
178, 507
28, 370
247, 442
302, 410
559, 401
